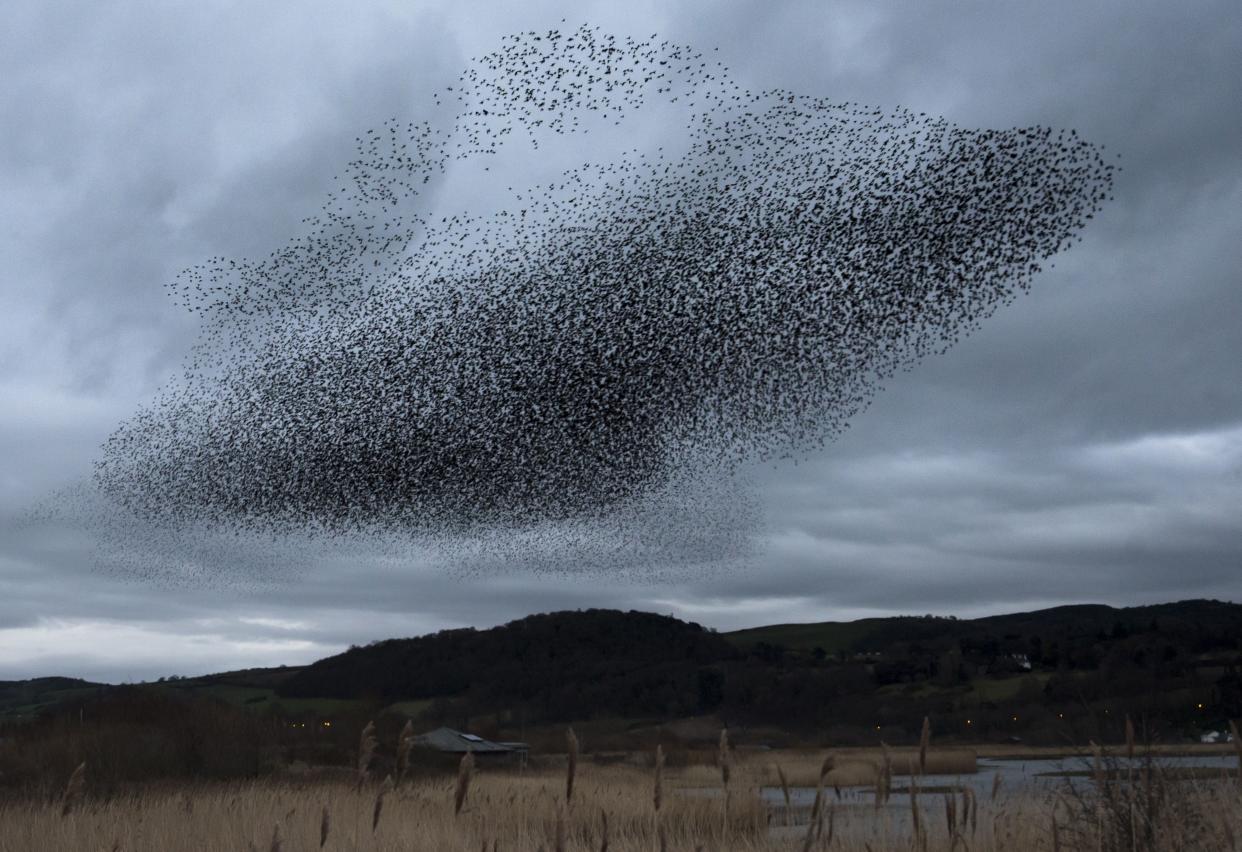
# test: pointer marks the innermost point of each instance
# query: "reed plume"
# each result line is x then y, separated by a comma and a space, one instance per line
405, 742
366, 752
464, 772
571, 763
73, 789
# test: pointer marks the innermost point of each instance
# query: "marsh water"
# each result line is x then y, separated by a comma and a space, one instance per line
1015, 776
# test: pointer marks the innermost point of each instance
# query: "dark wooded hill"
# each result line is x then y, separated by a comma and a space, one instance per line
561, 664
1069, 671
1175, 662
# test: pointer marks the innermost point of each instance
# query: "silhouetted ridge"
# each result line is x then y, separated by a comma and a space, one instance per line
1068, 673
569, 663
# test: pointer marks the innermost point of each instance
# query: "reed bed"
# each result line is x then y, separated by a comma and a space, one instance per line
506, 810
612, 808
581, 806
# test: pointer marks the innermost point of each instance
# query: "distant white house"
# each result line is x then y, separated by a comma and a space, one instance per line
1216, 737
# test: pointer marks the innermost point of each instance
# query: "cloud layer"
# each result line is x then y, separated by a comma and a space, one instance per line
1081, 445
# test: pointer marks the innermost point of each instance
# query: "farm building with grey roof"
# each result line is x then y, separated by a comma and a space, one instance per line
457, 742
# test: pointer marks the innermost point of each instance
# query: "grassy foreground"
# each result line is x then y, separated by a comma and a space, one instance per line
575, 804
613, 808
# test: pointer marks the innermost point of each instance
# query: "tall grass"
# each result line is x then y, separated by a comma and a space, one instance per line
613, 812
1137, 802
627, 808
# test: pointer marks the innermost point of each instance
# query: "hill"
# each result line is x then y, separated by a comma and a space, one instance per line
24, 698
1075, 637
563, 665
1079, 621
1065, 673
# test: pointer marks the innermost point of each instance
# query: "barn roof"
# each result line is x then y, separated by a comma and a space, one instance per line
447, 739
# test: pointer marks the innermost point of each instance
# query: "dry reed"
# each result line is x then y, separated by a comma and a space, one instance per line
522, 811
916, 819
815, 825
73, 789
465, 770
405, 743
571, 763
366, 752
884, 781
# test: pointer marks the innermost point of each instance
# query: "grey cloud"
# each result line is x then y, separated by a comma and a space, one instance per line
1133, 330
1080, 446
176, 146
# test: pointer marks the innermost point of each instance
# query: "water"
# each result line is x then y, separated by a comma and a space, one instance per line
1016, 776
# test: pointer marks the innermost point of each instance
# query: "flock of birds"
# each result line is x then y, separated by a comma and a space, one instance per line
604, 349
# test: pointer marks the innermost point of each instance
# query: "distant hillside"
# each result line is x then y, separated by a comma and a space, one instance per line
1063, 674
564, 665
1074, 624
1177, 660
24, 698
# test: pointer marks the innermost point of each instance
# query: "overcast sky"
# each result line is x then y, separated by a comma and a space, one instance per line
1084, 445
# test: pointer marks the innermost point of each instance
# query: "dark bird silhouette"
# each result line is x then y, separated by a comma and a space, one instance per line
630, 327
